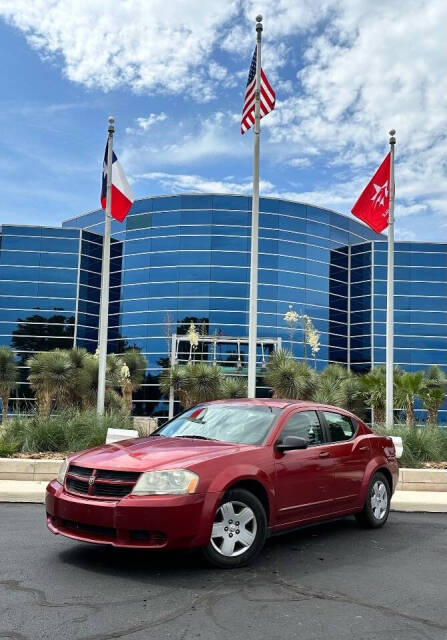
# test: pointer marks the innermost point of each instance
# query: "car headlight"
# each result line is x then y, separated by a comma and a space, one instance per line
62, 471
169, 482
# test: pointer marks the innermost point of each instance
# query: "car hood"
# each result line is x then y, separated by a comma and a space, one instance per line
145, 454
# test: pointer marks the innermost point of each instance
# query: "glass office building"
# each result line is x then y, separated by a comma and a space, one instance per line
182, 259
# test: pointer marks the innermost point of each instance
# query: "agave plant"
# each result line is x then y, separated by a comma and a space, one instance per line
8, 378
289, 378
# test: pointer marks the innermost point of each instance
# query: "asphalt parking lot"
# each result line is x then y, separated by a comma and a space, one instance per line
333, 581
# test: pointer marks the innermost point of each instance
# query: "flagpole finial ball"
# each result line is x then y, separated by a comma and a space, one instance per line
392, 132
258, 18
111, 119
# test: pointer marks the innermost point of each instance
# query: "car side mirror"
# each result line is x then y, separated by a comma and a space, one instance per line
290, 443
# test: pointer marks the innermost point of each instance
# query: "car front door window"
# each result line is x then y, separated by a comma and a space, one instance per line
304, 424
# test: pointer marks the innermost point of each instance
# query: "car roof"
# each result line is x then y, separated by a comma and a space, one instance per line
280, 403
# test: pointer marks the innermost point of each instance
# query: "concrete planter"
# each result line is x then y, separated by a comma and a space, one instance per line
422, 480
26, 469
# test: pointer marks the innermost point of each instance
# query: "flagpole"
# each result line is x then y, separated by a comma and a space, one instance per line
105, 278
389, 413
253, 307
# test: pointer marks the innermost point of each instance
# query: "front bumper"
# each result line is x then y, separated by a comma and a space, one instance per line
157, 522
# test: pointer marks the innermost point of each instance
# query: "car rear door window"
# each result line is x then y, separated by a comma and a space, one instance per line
304, 424
340, 427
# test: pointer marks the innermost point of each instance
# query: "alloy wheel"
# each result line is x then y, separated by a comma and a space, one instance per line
234, 529
379, 499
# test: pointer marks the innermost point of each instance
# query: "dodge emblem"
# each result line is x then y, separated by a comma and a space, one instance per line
91, 480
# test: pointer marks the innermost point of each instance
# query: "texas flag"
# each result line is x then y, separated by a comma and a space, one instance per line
373, 206
122, 196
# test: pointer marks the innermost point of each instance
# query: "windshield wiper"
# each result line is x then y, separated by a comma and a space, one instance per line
196, 437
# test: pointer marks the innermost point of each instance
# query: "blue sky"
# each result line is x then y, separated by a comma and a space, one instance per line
173, 75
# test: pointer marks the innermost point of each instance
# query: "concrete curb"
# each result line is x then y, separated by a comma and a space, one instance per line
22, 490
22, 469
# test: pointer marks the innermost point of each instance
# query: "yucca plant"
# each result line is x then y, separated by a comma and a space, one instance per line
49, 377
233, 387
8, 378
289, 378
338, 386
132, 375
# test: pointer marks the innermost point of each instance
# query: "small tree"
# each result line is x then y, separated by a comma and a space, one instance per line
132, 375
9, 374
49, 377
409, 386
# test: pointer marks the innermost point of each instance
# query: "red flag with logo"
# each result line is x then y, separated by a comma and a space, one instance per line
373, 206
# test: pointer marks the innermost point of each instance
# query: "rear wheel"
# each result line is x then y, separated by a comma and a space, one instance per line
377, 505
239, 530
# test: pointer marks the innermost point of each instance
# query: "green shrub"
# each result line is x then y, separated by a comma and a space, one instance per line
71, 430
421, 444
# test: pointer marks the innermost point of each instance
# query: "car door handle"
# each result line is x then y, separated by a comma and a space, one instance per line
364, 448
324, 454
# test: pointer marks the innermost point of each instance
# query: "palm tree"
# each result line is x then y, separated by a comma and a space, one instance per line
132, 375
9, 374
288, 377
373, 391
434, 393
49, 377
408, 386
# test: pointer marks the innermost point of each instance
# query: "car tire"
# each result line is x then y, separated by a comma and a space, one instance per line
235, 542
377, 506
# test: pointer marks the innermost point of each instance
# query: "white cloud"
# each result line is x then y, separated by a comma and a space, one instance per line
181, 183
345, 72
144, 44
143, 124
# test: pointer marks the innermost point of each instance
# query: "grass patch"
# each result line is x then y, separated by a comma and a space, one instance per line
68, 431
421, 444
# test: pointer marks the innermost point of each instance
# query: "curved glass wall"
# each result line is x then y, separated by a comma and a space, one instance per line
186, 259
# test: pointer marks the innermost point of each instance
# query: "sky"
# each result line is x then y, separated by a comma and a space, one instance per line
173, 75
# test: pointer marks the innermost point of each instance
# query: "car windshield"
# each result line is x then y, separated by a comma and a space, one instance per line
244, 424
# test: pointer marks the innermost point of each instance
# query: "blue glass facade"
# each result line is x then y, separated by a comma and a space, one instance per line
49, 291
178, 259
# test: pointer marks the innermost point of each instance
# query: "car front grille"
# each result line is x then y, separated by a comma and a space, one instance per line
100, 483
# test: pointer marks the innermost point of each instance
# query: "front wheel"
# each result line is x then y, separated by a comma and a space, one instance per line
239, 530
377, 505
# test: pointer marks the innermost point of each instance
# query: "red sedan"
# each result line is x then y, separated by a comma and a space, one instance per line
224, 476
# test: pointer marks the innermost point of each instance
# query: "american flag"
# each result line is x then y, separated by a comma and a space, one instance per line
267, 98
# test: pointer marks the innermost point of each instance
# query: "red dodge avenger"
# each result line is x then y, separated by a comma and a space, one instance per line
224, 476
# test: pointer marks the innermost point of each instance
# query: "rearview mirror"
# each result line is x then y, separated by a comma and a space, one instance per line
290, 443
